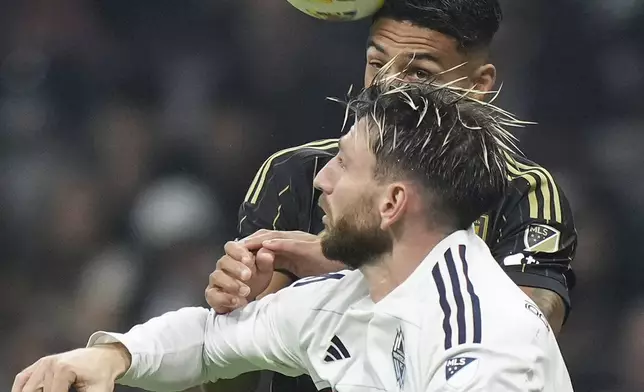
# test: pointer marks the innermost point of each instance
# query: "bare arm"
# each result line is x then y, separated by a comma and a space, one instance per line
551, 304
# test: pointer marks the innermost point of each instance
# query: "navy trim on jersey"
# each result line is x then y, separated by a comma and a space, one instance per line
476, 303
459, 297
447, 311
315, 279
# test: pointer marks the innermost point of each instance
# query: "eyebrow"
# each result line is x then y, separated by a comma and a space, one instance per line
414, 55
342, 147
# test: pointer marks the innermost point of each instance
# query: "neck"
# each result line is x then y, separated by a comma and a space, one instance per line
392, 269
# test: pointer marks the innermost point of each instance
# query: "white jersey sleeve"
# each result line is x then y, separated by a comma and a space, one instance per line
191, 346
488, 335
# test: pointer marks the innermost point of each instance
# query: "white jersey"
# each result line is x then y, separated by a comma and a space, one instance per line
458, 323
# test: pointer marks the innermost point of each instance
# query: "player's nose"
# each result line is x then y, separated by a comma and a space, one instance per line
322, 180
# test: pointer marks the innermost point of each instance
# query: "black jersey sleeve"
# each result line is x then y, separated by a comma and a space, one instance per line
281, 196
532, 234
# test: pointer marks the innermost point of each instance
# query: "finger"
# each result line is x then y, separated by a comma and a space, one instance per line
235, 302
265, 260
21, 379
226, 283
239, 302
236, 269
255, 241
248, 261
285, 246
237, 250
61, 381
47, 381
264, 235
35, 382
302, 236
222, 302
258, 233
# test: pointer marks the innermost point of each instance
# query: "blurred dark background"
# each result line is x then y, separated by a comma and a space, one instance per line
130, 130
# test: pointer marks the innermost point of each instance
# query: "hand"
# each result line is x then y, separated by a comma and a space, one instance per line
91, 369
295, 251
289, 247
240, 276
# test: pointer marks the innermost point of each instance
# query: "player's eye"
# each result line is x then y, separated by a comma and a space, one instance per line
375, 64
419, 74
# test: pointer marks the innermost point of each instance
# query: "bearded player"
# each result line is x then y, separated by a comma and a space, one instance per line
426, 308
530, 231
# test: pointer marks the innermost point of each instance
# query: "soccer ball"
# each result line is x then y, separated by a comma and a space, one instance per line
338, 10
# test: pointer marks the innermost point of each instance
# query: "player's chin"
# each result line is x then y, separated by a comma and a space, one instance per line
327, 235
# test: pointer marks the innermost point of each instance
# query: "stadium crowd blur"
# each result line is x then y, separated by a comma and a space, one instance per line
130, 130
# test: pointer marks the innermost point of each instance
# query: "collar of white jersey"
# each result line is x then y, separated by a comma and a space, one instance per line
422, 275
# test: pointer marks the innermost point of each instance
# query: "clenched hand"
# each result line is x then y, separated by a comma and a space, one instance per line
242, 275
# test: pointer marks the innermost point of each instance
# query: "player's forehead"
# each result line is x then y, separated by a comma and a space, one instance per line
395, 38
356, 140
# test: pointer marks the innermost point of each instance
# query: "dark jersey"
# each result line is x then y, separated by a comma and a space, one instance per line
531, 232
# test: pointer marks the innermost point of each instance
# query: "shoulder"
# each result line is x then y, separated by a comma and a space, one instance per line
535, 185
304, 152
524, 171
289, 162
310, 297
492, 315
475, 296
326, 286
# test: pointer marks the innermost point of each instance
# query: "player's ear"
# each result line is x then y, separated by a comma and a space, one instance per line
393, 204
484, 77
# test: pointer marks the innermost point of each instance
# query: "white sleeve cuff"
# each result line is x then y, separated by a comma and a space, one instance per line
166, 351
102, 337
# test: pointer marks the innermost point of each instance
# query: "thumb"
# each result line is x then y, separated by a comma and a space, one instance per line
264, 261
282, 245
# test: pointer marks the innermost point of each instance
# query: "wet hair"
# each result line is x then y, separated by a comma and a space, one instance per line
454, 146
473, 23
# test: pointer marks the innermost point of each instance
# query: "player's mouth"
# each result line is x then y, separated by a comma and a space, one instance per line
321, 205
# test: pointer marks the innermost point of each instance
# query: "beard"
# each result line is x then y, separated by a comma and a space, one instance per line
356, 238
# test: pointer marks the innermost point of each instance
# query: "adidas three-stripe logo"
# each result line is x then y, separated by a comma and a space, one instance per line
456, 293
336, 351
